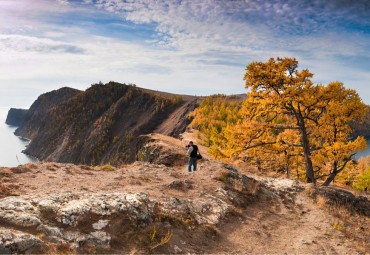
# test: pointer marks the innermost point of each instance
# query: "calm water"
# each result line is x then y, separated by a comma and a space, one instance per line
11, 146
366, 152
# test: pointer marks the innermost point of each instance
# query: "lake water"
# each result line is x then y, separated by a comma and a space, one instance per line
366, 152
11, 146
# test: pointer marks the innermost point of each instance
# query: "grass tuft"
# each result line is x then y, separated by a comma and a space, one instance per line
106, 168
223, 176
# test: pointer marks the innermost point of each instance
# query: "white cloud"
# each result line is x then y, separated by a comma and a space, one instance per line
54, 34
22, 44
63, 2
199, 47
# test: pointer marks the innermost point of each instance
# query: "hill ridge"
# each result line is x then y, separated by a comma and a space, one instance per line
101, 125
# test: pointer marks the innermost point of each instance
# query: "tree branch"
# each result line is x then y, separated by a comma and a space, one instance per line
257, 145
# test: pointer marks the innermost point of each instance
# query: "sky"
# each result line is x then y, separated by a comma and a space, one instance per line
196, 47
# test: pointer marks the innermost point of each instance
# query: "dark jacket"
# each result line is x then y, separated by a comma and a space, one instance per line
194, 153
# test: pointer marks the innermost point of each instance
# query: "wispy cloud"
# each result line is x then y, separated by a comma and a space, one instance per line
180, 46
27, 44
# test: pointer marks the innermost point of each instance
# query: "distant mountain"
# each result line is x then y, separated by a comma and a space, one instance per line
102, 124
35, 117
16, 116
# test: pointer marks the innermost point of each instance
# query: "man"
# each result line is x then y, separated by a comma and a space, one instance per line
193, 152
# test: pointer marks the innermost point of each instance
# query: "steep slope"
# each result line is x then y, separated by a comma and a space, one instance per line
101, 124
35, 117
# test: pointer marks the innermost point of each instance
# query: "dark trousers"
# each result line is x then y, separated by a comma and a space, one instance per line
192, 162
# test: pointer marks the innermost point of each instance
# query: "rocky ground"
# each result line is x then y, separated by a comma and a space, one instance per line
152, 208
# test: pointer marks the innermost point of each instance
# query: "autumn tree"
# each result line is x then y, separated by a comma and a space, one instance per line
286, 111
286, 118
341, 107
213, 117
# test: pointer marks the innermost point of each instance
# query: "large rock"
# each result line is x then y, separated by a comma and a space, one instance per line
12, 241
91, 217
84, 220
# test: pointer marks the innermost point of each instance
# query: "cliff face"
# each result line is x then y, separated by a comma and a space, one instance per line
101, 124
16, 116
35, 117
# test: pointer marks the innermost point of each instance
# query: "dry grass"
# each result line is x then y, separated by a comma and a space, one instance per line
6, 172
51, 166
321, 201
86, 167
338, 226
223, 176
181, 220
211, 231
8, 189
157, 237
32, 165
163, 240
106, 168
354, 227
254, 187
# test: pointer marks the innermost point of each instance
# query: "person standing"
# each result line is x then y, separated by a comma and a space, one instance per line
193, 154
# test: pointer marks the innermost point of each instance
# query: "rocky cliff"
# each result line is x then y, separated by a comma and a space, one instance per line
36, 116
101, 125
15, 116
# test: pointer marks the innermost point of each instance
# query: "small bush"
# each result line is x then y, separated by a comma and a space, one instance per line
338, 226
163, 240
223, 176
107, 168
85, 167
211, 231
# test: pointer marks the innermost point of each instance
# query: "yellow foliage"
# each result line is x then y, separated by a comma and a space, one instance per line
286, 123
107, 168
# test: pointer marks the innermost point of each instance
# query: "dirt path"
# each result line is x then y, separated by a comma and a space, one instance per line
284, 228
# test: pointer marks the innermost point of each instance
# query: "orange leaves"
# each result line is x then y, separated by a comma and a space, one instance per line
285, 116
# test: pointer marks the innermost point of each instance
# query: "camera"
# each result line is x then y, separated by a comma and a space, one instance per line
187, 146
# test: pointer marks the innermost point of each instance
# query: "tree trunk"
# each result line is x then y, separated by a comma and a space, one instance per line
307, 155
332, 175
329, 179
287, 170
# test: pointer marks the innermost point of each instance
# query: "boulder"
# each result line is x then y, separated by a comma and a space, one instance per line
12, 241
159, 149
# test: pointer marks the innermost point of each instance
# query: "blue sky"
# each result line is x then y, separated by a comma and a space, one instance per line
191, 47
